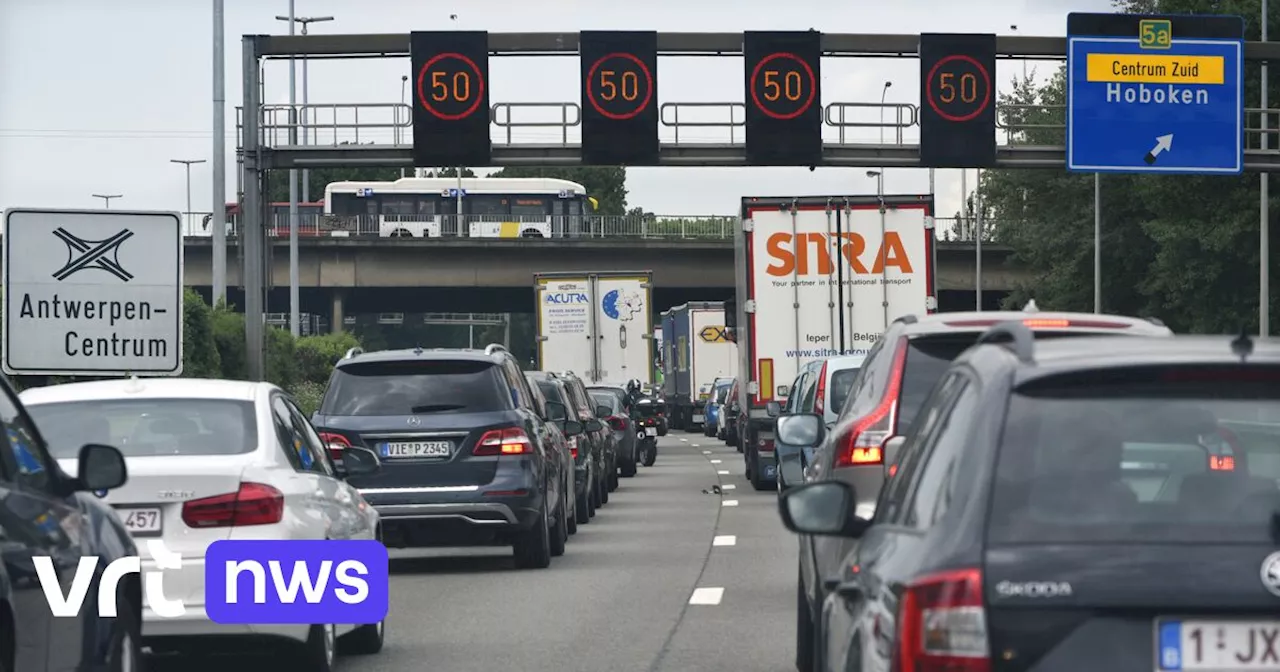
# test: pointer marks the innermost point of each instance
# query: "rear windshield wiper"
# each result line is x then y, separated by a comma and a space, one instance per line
433, 408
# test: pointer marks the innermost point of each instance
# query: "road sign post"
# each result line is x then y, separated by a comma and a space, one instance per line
92, 292
1155, 94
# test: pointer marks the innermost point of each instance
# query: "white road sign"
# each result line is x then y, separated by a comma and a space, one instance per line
92, 292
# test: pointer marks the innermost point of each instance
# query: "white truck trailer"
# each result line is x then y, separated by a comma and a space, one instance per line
819, 277
597, 324
701, 353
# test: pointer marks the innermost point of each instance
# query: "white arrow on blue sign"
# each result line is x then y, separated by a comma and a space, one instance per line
1155, 94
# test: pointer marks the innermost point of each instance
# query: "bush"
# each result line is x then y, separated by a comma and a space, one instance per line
282, 363
316, 355
199, 350
308, 394
228, 335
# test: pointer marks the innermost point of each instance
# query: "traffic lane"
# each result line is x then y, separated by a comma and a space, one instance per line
610, 602
745, 609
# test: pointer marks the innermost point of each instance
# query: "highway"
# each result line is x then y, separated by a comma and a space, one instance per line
622, 598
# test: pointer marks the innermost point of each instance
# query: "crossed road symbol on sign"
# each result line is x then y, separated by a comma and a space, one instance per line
102, 255
714, 335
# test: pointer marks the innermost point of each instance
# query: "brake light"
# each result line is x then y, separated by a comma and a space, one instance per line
942, 625
1222, 462
573, 450
765, 445
1043, 323
617, 422
506, 441
252, 504
863, 444
1224, 374
336, 443
819, 397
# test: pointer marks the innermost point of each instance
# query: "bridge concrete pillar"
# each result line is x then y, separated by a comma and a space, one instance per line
338, 312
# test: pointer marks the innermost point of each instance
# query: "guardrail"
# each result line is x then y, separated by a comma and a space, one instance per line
656, 227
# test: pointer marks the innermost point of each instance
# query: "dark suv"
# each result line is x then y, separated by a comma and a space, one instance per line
584, 447
1084, 504
467, 455
608, 454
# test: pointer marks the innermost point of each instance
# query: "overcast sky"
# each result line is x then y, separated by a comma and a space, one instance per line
97, 97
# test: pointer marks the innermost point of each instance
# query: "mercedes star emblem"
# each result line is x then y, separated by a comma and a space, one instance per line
414, 421
1270, 573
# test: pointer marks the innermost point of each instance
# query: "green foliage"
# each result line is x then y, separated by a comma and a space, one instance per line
228, 336
200, 354
316, 355
282, 362
1183, 248
450, 172
278, 180
308, 394
607, 184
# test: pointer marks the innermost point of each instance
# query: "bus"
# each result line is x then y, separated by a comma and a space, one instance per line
492, 207
277, 223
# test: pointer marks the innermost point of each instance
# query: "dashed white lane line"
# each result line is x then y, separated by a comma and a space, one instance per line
705, 452
715, 461
725, 540
684, 439
728, 486
723, 472
729, 502
706, 596
694, 445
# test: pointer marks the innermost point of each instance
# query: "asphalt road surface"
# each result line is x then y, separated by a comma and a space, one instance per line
665, 578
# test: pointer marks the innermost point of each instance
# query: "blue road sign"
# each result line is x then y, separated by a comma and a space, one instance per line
1155, 94
453, 193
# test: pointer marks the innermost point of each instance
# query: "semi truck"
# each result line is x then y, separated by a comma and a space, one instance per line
700, 353
818, 277
596, 324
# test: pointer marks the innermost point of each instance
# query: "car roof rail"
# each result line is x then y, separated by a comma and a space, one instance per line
1031, 307
1156, 321
1015, 333
907, 319
495, 347
353, 352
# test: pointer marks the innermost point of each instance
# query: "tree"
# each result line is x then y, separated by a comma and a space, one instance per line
450, 172
606, 184
278, 180
1180, 247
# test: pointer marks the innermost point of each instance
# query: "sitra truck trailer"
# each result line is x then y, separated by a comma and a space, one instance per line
596, 324
818, 277
700, 352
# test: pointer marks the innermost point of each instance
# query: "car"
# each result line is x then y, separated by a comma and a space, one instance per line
719, 391
900, 370
45, 511
566, 453
611, 407
602, 436
822, 387
733, 417
467, 455
585, 448
211, 460
1046, 500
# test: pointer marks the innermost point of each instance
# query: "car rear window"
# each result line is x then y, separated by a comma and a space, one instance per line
606, 399
143, 427
841, 383
416, 387
1157, 456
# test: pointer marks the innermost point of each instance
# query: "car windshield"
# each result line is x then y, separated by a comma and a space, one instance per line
841, 383
415, 387
1157, 457
722, 393
143, 427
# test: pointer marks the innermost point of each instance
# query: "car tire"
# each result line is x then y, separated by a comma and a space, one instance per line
321, 648
593, 499
559, 533
805, 647
604, 490
582, 508
628, 466
613, 476
365, 640
125, 654
532, 549
572, 519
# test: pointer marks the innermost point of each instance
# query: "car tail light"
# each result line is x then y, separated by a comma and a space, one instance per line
506, 441
862, 444
617, 422
336, 444
764, 445
1044, 323
820, 395
942, 625
252, 504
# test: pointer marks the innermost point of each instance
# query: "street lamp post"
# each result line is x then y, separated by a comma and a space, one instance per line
187, 163
404, 83
106, 198
305, 21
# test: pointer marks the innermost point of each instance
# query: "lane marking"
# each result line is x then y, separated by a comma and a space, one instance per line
706, 596
723, 472
705, 452
684, 439
715, 461
694, 445
730, 502
725, 540
728, 486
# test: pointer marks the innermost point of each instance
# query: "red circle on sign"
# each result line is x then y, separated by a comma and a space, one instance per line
422, 96
986, 80
591, 90
755, 95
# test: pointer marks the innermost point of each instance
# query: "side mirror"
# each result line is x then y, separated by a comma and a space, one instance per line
100, 468
824, 508
573, 428
802, 429
892, 448
604, 411
734, 408
556, 411
359, 461
773, 408
784, 391
731, 313
593, 425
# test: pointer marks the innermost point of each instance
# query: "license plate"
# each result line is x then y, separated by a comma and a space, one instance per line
417, 449
1220, 646
699, 418
141, 522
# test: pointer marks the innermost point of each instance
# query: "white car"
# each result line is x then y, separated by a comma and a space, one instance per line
210, 460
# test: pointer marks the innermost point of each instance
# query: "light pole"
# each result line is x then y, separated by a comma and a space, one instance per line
187, 163
305, 21
404, 83
884, 285
1014, 29
106, 198
1264, 214
883, 91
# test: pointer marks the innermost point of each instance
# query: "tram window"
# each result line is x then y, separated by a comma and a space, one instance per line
428, 205
487, 205
524, 205
575, 207
398, 205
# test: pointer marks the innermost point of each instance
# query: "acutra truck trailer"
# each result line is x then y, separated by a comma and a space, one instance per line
702, 353
818, 277
596, 324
